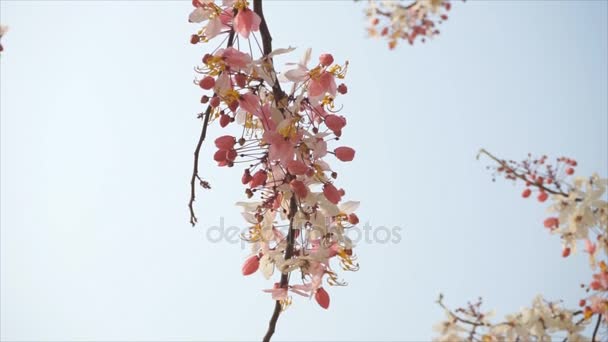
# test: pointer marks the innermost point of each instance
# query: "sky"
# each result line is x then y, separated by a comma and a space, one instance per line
98, 125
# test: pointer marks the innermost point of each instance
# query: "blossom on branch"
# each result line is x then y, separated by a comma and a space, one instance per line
406, 20
297, 217
580, 217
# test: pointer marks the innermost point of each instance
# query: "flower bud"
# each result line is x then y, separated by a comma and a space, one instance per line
322, 297
251, 265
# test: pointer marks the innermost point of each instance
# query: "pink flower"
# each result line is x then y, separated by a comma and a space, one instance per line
325, 83
322, 297
251, 265
246, 21
235, 59
281, 149
344, 153
250, 103
331, 193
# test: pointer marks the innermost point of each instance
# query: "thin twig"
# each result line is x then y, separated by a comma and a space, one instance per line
597, 326
197, 151
520, 176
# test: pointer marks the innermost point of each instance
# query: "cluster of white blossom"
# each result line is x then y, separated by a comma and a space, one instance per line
581, 218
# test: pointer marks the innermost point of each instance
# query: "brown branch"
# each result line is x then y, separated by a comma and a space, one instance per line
293, 208
520, 176
195, 175
266, 37
197, 151
278, 95
597, 326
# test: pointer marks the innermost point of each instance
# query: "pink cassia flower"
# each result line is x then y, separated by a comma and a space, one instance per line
246, 21
324, 83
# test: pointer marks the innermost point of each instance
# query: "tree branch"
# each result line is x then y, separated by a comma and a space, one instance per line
597, 326
520, 176
197, 151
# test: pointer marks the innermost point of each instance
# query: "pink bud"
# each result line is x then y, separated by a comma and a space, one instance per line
322, 297
569, 171
542, 196
220, 156
342, 89
566, 252
259, 178
224, 120
326, 59
526, 193
552, 223
353, 219
246, 177
299, 188
331, 193
240, 80
251, 265
207, 82
296, 167
215, 102
344, 153
225, 142
335, 123
233, 106
231, 155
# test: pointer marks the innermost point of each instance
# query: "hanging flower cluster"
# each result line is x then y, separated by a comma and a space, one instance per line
579, 215
284, 145
395, 20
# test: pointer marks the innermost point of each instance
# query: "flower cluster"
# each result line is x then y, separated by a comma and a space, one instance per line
396, 21
579, 217
283, 143
539, 322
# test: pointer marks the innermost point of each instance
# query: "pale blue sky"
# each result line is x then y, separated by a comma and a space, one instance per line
98, 128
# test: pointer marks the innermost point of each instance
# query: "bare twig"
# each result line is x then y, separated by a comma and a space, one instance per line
597, 326
519, 175
197, 151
